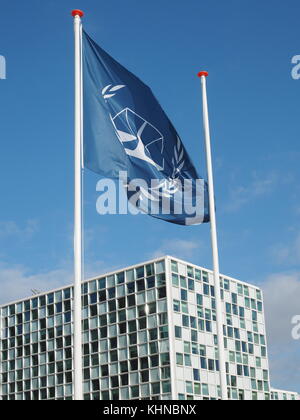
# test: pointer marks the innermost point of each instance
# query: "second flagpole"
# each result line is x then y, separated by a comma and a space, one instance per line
214, 241
78, 271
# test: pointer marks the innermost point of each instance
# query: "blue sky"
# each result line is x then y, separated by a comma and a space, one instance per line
247, 47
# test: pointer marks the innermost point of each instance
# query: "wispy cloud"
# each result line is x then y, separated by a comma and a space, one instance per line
10, 229
282, 297
287, 253
259, 186
178, 248
99, 267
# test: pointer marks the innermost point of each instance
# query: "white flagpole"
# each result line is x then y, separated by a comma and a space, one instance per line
214, 241
77, 358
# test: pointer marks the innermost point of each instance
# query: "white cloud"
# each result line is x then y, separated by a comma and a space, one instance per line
282, 302
178, 248
17, 281
258, 187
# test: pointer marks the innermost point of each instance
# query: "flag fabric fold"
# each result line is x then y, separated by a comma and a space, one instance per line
127, 132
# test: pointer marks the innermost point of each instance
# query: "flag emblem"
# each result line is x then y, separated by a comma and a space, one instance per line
140, 138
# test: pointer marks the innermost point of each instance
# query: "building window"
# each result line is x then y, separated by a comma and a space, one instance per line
178, 332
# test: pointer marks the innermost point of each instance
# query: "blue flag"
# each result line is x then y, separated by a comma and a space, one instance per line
128, 136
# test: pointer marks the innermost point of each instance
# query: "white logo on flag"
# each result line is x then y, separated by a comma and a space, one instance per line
143, 141
139, 137
107, 91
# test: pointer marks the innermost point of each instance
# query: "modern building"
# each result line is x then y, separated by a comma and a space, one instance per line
149, 332
279, 394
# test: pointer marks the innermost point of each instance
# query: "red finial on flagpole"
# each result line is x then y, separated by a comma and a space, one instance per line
203, 73
77, 12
